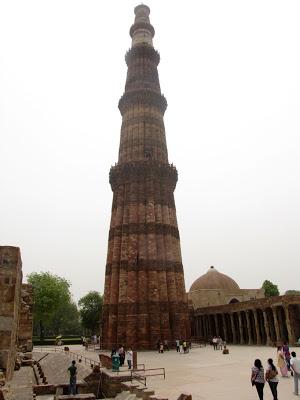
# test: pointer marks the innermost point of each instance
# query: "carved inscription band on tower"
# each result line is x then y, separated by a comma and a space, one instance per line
144, 295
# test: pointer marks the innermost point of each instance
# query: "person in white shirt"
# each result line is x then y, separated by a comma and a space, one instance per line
295, 365
129, 356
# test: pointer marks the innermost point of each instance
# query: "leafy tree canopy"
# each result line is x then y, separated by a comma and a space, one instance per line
292, 292
53, 309
270, 289
90, 308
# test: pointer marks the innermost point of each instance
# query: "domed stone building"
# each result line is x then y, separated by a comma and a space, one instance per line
218, 307
215, 288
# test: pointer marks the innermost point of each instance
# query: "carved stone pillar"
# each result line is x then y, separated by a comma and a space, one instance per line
276, 324
234, 341
224, 328
267, 327
291, 333
258, 337
198, 327
241, 328
217, 325
202, 326
206, 326
250, 341
281, 324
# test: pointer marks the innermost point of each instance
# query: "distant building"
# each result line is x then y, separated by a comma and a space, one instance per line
218, 307
215, 288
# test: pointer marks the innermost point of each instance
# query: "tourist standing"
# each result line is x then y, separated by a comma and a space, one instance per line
220, 343
177, 346
73, 372
129, 356
166, 344
161, 347
121, 355
271, 378
181, 347
281, 364
184, 344
295, 365
215, 343
257, 378
287, 355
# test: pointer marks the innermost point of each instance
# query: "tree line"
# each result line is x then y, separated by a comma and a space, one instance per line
56, 313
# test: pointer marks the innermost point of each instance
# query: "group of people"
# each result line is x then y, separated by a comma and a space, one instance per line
182, 346
122, 354
218, 343
286, 361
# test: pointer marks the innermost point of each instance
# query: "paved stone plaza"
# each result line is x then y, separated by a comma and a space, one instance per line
208, 374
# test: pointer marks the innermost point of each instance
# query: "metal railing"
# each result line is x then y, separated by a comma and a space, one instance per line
78, 357
139, 367
141, 375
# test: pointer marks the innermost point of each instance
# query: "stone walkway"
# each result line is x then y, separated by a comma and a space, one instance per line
55, 367
22, 382
208, 374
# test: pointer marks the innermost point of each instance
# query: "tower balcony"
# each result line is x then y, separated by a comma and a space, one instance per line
142, 171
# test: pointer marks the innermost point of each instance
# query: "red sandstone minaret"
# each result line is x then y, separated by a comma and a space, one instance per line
144, 296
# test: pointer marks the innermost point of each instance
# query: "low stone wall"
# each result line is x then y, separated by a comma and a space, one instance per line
111, 384
105, 361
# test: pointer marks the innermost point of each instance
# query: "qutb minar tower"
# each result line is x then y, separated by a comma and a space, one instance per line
144, 295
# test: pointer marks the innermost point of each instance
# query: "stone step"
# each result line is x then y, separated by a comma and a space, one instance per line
122, 395
125, 395
87, 396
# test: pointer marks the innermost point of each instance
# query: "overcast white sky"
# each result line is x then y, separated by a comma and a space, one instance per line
230, 72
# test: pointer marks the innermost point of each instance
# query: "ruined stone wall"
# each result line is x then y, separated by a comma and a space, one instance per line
10, 291
25, 319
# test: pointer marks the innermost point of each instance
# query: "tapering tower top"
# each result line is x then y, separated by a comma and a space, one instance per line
142, 31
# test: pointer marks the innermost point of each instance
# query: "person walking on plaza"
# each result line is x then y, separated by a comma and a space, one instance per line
121, 355
161, 347
73, 372
258, 379
177, 346
271, 378
287, 356
281, 364
129, 356
295, 366
220, 343
166, 344
215, 343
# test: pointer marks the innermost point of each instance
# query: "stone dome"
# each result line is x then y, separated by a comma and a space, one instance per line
214, 279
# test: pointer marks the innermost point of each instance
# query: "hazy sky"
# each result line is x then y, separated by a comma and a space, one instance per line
230, 73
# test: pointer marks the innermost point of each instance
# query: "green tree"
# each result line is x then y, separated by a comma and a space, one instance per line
52, 302
292, 292
66, 320
90, 308
270, 289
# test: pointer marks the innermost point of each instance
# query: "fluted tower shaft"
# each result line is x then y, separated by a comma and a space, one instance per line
144, 295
